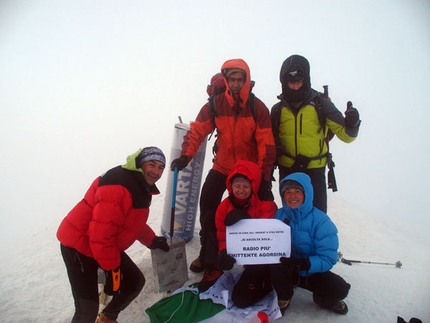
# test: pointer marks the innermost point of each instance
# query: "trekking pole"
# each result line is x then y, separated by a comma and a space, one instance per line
172, 213
325, 87
349, 262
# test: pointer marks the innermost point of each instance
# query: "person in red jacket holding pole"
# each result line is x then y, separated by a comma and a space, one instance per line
244, 132
97, 231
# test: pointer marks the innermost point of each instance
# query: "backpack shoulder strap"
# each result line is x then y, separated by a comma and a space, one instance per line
318, 109
213, 113
275, 116
251, 100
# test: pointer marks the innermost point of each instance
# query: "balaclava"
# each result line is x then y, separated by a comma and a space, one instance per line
295, 68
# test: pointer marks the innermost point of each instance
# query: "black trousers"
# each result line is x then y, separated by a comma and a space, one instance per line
210, 197
318, 180
82, 272
328, 285
257, 281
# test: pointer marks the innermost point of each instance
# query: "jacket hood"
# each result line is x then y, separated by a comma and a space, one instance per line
249, 169
305, 181
131, 162
295, 63
244, 92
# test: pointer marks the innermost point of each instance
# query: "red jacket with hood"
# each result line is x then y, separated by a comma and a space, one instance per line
240, 136
256, 208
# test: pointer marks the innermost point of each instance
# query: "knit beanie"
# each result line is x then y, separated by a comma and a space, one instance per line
291, 184
230, 71
150, 153
240, 179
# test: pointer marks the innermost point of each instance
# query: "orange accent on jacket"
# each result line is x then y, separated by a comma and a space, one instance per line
240, 136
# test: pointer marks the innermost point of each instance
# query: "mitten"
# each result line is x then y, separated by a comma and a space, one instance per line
235, 215
113, 281
180, 163
265, 191
159, 243
352, 117
225, 261
296, 264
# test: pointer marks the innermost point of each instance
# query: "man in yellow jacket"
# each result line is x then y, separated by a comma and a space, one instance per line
301, 122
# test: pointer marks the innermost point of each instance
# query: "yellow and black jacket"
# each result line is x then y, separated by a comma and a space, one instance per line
303, 131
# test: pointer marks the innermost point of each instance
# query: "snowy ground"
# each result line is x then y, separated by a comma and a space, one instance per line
34, 286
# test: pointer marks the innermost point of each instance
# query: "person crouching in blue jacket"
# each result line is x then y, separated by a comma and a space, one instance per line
314, 244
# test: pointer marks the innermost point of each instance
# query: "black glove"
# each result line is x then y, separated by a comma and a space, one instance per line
180, 163
265, 191
352, 117
159, 243
235, 215
295, 264
113, 281
225, 261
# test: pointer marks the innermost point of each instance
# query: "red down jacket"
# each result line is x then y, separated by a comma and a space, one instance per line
110, 218
257, 209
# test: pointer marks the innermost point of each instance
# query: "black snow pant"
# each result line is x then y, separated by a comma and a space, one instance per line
82, 272
209, 239
210, 197
257, 281
327, 285
318, 180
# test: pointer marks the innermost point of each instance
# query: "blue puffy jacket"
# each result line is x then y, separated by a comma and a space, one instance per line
313, 234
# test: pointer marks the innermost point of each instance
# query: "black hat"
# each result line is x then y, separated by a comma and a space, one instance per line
295, 68
295, 74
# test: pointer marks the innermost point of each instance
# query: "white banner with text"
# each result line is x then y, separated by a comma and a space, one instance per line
258, 241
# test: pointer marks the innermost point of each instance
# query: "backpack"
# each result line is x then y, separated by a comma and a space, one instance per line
331, 180
216, 88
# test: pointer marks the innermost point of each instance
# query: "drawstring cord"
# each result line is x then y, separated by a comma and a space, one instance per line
190, 289
78, 259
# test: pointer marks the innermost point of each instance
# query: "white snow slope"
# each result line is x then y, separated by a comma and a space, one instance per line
35, 288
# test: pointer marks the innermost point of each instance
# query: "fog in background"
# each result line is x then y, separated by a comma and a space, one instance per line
84, 84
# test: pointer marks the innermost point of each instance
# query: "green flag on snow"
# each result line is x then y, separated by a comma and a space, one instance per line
184, 306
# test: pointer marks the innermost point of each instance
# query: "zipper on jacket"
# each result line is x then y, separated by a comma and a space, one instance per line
301, 124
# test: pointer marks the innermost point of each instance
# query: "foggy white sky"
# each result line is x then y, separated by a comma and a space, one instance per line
83, 84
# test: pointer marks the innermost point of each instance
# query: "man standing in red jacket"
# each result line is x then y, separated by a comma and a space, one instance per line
244, 132
97, 231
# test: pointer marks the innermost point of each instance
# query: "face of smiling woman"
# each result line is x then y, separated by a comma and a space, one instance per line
293, 197
242, 190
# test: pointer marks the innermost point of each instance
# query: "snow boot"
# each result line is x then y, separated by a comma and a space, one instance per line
210, 277
338, 307
103, 319
197, 266
283, 305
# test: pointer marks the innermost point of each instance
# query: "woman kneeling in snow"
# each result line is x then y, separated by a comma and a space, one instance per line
314, 244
